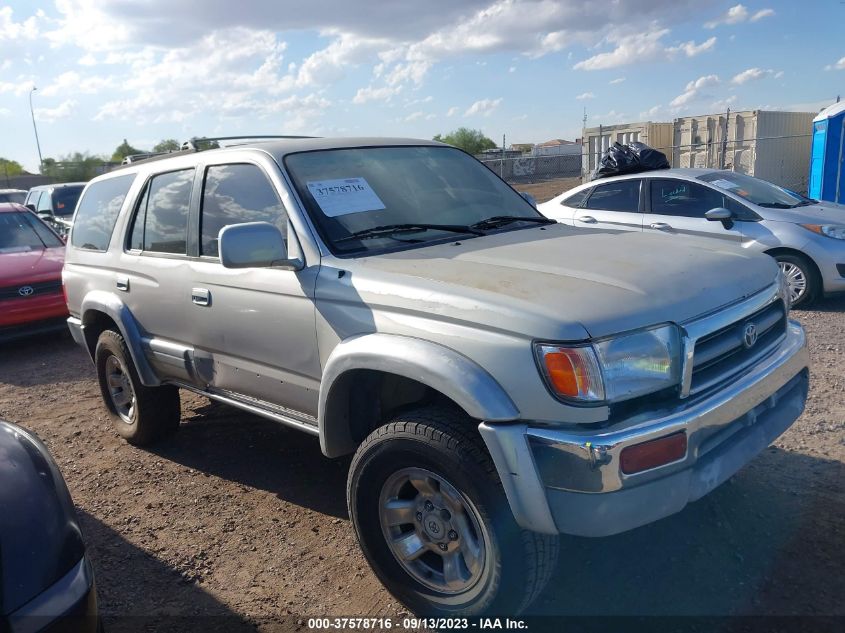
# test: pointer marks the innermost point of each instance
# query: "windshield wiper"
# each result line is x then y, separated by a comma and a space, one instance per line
775, 205
501, 220
389, 229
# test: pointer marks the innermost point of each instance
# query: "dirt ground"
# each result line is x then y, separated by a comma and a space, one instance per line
236, 516
548, 189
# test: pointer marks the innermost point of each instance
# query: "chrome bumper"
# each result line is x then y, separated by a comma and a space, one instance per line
569, 480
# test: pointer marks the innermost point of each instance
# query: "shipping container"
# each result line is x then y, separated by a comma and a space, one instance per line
827, 158
774, 146
597, 139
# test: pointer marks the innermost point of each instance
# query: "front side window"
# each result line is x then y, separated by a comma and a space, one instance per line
683, 199
621, 195
161, 220
22, 232
44, 204
98, 211
347, 191
233, 194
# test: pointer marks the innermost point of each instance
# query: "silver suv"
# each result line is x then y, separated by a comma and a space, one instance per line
500, 378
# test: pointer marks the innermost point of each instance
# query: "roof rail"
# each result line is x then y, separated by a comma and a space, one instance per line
195, 143
134, 158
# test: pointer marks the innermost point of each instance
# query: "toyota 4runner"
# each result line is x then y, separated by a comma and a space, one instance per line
500, 378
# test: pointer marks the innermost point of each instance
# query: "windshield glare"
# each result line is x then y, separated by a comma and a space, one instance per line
756, 191
351, 190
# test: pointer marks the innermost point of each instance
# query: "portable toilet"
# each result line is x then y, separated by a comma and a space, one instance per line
827, 169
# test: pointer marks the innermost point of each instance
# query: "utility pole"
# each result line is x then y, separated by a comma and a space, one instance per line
35, 128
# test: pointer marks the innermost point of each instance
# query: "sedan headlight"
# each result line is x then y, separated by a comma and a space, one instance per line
836, 231
613, 369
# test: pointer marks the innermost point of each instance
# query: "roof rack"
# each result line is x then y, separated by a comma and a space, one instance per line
134, 158
192, 143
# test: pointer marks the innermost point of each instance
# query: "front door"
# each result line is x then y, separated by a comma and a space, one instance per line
254, 328
677, 207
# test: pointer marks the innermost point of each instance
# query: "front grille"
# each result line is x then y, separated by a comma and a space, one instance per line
39, 289
722, 354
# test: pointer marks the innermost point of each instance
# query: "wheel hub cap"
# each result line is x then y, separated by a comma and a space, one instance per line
435, 533
796, 280
120, 389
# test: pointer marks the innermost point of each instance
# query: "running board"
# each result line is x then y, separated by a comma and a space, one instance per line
258, 407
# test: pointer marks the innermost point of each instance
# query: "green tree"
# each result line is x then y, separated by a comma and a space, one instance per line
10, 168
78, 166
471, 141
123, 150
167, 145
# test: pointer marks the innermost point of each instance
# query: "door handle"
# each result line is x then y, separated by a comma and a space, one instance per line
661, 226
201, 296
587, 219
122, 283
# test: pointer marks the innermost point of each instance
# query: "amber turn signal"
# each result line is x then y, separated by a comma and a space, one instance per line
654, 453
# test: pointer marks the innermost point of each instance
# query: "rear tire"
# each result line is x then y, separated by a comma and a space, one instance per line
805, 285
433, 521
140, 415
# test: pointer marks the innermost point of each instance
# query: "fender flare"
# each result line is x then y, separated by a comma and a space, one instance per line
112, 306
439, 367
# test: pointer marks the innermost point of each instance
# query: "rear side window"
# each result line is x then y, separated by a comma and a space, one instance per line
161, 221
576, 200
65, 198
622, 195
98, 211
234, 194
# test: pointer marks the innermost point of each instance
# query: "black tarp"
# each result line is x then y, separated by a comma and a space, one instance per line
629, 159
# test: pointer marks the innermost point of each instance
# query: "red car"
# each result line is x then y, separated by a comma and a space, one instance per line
31, 258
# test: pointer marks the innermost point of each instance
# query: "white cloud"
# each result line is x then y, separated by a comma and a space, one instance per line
694, 89
723, 104
652, 112
62, 111
384, 93
753, 74
763, 13
453, 111
641, 47
512, 69
585, 95
5, 112
738, 14
691, 49
484, 107
840, 65
611, 117
71, 82
618, 80
414, 116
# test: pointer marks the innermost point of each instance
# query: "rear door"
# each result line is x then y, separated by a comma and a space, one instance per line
677, 207
612, 205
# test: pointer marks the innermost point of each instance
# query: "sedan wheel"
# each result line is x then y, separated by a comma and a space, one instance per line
796, 280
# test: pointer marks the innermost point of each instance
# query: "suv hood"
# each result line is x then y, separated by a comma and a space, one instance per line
562, 283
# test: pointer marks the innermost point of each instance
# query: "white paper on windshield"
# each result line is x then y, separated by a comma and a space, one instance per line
724, 184
344, 196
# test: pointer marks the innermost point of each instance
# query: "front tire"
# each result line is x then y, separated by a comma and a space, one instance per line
140, 415
433, 521
801, 277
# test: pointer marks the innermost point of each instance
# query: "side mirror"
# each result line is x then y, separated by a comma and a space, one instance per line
44, 215
529, 198
254, 245
719, 214
30, 206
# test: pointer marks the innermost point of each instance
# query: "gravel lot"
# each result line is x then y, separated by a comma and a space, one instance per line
236, 516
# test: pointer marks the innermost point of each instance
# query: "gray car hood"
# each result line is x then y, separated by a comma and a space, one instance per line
562, 283
821, 213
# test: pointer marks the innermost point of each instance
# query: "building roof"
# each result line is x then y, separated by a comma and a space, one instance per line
556, 141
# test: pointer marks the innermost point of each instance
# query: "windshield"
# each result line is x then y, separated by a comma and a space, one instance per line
13, 196
756, 191
21, 232
64, 199
370, 191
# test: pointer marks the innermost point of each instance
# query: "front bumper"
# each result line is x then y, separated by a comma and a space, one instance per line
569, 480
69, 604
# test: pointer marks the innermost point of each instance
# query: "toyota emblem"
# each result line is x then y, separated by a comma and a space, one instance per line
25, 291
749, 335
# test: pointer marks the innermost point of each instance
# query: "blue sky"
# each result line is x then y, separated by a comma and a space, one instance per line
145, 70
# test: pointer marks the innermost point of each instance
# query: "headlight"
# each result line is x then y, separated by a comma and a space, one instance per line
613, 369
836, 231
